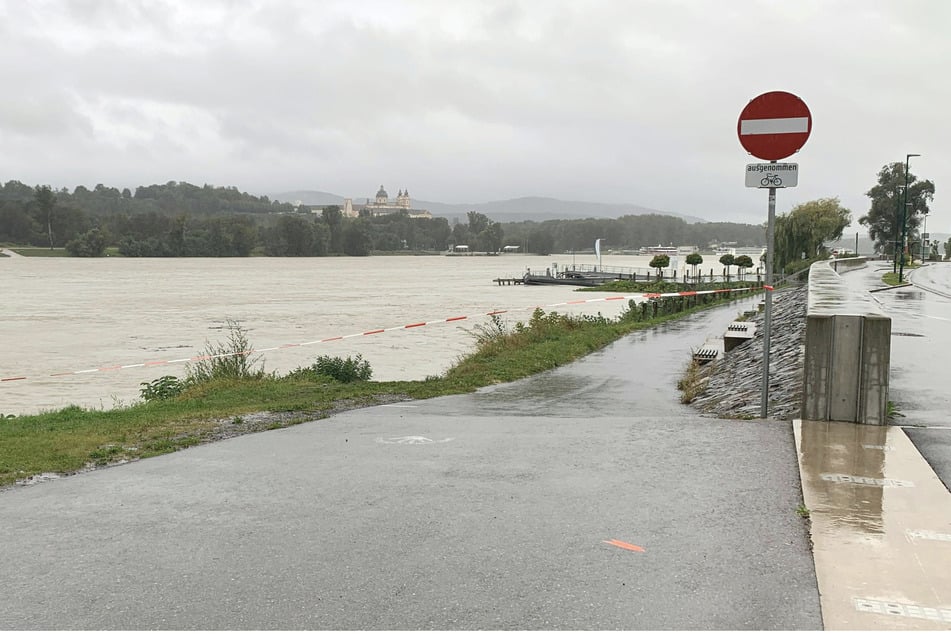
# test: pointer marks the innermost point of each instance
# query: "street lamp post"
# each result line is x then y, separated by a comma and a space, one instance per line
895, 242
904, 222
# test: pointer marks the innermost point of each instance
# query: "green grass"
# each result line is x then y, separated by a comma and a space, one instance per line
74, 438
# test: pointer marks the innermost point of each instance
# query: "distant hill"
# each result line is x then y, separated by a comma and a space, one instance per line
535, 208
308, 197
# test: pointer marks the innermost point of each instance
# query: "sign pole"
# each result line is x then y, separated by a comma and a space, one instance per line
771, 127
768, 303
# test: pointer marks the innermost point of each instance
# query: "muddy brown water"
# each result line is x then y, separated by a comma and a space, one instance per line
69, 315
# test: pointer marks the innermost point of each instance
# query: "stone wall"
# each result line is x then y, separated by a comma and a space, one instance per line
734, 382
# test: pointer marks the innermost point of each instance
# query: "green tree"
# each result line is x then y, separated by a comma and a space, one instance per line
477, 222
490, 240
334, 219
947, 249
743, 262
292, 236
887, 196
660, 261
460, 234
91, 244
357, 239
727, 260
45, 201
16, 225
694, 260
541, 241
805, 229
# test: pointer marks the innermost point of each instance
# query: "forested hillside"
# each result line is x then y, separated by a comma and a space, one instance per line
185, 220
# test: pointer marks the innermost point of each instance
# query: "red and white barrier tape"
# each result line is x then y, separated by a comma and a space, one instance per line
149, 364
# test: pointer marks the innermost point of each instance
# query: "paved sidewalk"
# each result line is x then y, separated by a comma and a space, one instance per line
881, 528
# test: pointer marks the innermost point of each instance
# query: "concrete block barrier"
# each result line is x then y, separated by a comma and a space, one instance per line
847, 350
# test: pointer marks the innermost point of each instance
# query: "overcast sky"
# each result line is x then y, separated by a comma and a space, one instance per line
625, 101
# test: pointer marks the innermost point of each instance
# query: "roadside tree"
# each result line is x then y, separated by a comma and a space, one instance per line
800, 234
884, 215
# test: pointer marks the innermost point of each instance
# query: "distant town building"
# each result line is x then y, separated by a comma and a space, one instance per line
382, 205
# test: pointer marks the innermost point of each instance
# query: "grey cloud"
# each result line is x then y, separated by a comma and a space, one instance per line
606, 101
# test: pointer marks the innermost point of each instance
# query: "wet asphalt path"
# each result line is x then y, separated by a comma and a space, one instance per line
482, 511
919, 383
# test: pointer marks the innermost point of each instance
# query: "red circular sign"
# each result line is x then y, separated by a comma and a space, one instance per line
774, 125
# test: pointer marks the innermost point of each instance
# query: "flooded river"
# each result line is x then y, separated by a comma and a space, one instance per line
65, 315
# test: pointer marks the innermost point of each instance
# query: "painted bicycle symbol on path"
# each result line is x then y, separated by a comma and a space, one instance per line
411, 440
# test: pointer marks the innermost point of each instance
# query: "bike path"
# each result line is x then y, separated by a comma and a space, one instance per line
582, 498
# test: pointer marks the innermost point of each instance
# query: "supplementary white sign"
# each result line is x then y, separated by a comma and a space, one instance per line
772, 175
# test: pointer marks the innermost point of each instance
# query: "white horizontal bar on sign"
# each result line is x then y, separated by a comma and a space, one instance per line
774, 126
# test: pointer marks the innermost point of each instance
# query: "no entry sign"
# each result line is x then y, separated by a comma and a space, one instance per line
774, 125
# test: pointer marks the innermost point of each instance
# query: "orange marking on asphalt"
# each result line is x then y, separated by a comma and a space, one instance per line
14, 378
331, 339
624, 545
422, 323
374, 332
457, 318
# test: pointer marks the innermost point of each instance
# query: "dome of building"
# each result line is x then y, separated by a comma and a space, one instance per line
382, 193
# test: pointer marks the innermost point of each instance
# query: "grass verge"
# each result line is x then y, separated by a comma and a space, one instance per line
73, 439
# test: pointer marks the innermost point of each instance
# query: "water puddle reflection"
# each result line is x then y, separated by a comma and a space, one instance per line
845, 465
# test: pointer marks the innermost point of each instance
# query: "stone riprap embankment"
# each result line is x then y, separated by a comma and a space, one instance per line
733, 383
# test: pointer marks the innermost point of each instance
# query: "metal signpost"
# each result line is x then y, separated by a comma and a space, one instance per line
771, 127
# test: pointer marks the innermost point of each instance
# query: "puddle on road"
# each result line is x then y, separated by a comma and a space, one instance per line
832, 450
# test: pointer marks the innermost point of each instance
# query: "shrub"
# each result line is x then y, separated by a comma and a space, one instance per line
228, 360
161, 389
347, 370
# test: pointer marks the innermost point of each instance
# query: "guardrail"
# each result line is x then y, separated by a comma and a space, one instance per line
847, 350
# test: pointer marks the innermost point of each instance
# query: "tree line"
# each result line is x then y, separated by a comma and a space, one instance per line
180, 219
183, 220
627, 233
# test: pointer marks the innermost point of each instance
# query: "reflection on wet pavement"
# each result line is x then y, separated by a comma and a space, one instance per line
829, 451
920, 327
875, 507
636, 375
